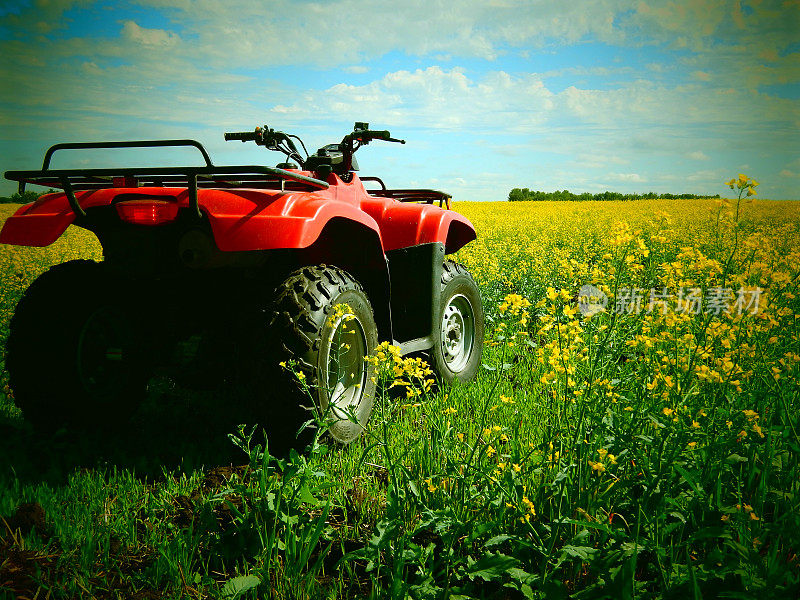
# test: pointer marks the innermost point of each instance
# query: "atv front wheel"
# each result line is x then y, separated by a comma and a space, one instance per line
458, 343
325, 327
73, 355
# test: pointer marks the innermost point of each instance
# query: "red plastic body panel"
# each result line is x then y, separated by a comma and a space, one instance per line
258, 219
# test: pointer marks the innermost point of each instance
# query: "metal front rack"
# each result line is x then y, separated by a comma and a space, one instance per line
409, 195
192, 178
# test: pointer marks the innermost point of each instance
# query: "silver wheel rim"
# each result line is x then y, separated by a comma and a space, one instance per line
458, 332
346, 369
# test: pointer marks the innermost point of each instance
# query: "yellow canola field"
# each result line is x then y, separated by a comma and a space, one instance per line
703, 297
561, 242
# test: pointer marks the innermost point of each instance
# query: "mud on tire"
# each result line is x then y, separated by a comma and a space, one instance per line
73, 355
458, 334
327, 347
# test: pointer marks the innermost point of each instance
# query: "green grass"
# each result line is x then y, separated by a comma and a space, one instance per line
591, 458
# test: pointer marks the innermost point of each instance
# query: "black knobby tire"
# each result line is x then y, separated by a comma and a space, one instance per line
458, 333
327, 348
73, 355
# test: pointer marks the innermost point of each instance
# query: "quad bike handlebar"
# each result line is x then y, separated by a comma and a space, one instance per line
365, 136
245, 136
282, 142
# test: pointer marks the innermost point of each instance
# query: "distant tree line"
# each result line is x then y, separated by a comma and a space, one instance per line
25, 198
526, 195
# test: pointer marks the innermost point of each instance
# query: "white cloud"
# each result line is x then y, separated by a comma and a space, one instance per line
635, 177
435, 98
127, 81
149, 37
707, 175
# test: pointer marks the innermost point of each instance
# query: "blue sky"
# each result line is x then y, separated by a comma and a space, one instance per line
666, 96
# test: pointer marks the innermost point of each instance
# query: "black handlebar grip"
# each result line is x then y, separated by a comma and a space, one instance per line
245, 136
366, 135
380, 135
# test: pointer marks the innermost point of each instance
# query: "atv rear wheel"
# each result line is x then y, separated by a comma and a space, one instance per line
325, 328
458, 343
73, 356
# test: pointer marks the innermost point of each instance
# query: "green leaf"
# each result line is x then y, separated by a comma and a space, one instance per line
519, 574
491, 566
305, 495
690, 479
237, 586
497, 540
736, 458
581, 552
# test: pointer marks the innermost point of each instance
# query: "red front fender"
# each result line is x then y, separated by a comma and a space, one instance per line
409, 224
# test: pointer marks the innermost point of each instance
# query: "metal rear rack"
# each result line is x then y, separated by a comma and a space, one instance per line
410, 195
192, 178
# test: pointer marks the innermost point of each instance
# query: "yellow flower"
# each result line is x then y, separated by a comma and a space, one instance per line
750, 414
490, 451
597, 466
450, 410
506, 399
431, 487
516, 468
742, 181
668, 411
514, 304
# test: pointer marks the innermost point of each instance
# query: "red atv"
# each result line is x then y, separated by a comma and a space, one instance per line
213, 274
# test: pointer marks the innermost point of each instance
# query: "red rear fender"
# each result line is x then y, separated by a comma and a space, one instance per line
39, 223
251, 219
292, 220
240, 219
